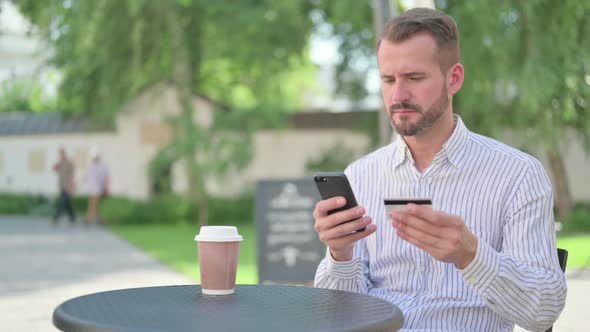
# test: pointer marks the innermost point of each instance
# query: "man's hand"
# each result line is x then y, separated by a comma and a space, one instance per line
334, 230
444, 236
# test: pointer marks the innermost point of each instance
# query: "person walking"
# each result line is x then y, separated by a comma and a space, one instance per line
65, 179
98, 185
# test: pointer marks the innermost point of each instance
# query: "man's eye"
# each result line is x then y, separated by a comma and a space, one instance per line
416, 78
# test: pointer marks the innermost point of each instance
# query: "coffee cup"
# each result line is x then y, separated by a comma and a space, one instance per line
219, 249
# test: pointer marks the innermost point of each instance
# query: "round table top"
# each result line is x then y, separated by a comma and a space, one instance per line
250, 308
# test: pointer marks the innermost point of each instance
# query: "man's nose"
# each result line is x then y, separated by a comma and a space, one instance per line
399, 93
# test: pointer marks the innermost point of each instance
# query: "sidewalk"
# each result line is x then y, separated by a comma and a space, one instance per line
41, 266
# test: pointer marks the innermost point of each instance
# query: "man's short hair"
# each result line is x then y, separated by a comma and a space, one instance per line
438, 24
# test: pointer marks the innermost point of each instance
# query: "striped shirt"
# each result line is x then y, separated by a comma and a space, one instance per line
504, 197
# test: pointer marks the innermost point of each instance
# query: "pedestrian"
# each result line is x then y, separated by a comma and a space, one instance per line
65, 180
483, 257
98, 185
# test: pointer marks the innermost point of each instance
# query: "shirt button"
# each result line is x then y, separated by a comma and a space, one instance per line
421, 268
407, 303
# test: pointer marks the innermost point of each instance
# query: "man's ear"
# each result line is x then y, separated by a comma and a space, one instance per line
455, 78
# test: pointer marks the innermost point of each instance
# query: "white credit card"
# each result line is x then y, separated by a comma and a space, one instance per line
393, 204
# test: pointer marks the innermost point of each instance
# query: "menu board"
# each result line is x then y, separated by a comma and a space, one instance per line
288, 248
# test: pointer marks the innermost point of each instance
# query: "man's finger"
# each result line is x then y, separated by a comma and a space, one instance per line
346, 228
352, 237
423, 212
419, 238
412, 221
340, 217
324, 206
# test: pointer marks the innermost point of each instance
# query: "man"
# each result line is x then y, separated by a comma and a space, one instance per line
98, 185
483, 258
65, 180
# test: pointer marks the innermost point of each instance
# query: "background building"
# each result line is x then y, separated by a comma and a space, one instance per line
29, 145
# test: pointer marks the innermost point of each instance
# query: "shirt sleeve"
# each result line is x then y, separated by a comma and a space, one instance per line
351, 276
523, 282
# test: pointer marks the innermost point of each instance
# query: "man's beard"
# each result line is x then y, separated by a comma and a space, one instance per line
429, 117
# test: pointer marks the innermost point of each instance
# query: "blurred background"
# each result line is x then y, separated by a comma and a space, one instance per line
202, 108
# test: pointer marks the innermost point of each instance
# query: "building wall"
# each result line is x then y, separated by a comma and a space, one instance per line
281, 154
277, 153
143, 127
26, 161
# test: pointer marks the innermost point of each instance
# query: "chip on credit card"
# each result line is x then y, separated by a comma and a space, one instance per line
393, 204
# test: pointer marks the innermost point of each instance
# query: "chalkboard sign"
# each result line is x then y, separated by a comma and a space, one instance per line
288, 247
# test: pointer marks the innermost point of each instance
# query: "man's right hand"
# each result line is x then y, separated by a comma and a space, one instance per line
334, 230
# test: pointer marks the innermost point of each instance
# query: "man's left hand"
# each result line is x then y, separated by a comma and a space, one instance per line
444, 236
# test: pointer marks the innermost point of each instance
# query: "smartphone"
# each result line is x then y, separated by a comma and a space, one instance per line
332, 184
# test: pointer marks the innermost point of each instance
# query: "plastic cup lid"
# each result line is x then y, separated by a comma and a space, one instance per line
218, 234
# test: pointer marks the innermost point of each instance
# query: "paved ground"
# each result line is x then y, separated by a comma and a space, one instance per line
42, 266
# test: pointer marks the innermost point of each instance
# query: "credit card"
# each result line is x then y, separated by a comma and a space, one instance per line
392, 204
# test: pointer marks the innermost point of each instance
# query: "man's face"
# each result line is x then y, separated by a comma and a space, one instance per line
414, 89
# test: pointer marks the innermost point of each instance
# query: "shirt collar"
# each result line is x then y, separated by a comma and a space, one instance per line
452, 150
454, 147
402, 152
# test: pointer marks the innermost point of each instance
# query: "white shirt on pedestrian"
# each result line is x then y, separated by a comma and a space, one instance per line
97, 177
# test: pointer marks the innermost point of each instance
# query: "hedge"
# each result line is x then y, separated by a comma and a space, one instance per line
115, 210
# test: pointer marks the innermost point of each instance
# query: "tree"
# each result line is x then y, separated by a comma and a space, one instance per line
240, 53
24, 95
355, 24
529, 63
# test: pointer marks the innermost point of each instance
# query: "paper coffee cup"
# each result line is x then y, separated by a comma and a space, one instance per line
219, 249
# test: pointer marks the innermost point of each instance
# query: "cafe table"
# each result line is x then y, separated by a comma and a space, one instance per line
250, 308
